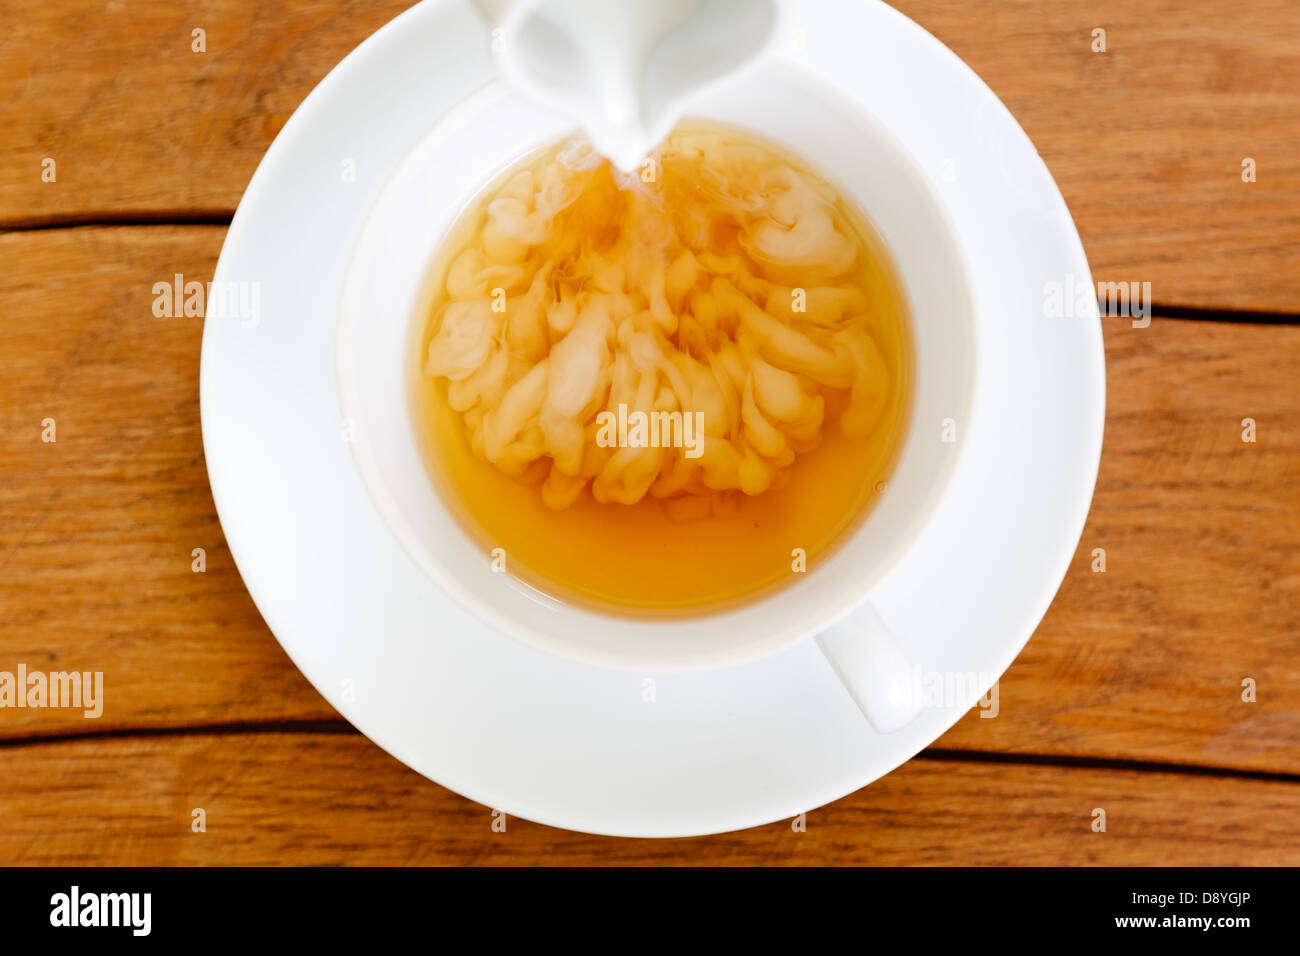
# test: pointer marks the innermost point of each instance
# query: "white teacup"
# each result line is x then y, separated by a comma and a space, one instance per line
383, 301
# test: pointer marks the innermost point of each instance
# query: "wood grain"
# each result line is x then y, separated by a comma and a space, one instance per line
1202, 583
1128, 698
1146, 140
1142, 662
337, 799
97, 529
136, 121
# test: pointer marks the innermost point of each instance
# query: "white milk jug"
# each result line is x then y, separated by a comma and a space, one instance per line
624, 70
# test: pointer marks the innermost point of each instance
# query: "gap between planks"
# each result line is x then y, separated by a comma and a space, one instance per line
222, 218
937, 754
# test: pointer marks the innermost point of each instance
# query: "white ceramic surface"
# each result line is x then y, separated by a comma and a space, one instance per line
571, 744
626, 71
383, 311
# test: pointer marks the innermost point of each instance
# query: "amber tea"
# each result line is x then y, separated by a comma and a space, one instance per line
668, 391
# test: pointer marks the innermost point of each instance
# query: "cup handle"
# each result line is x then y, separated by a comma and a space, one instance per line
873, 668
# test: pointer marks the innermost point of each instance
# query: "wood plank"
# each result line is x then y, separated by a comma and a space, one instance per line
1146, 139
1202, 583
337, 799
97, 529
135, 120
1144, 661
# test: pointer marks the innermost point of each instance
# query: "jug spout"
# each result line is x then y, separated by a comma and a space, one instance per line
625, 72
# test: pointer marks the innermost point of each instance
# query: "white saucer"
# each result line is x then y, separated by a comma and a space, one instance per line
575, 746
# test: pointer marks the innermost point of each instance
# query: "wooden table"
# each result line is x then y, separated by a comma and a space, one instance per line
1128, 698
